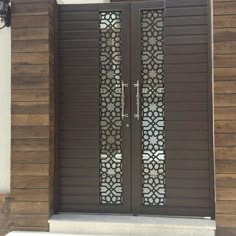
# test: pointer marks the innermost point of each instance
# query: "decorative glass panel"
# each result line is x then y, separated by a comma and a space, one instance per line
153, 140
110, 109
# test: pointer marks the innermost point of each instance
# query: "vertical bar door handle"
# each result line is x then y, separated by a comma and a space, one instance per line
123, 114
137, 86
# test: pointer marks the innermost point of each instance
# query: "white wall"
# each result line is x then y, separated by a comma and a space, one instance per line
5, 104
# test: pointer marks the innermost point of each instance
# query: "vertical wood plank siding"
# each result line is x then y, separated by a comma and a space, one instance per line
225, 115
32, 114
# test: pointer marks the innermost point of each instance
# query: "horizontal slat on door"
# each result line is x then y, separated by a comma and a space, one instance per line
78, 16
186, 87
77, 199
186, 49
78, 172
183, 77
186, 116
78, 43
187, 154
193, 202
79, 34
182, 97
186, 125
70, 181
186, 11
185, 3
81, 191
185, 59
187, 135
185, 30
78, 53
91, 61
187, 174
185, 21
187, 183
187, 164
79, 162
80, 25
185, 106
78, 8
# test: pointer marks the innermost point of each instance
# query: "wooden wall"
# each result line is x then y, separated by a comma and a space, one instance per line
4, 214
225, 115
32, 114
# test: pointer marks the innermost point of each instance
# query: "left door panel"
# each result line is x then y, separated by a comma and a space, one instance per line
93, 100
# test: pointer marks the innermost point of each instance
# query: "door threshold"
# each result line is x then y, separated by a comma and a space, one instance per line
111, 224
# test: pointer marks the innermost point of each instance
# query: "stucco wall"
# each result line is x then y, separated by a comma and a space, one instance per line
5, 118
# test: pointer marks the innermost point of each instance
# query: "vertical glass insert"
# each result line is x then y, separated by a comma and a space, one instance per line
153, 136
110, 109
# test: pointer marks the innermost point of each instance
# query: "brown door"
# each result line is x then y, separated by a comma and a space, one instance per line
134, 109
171, 109
94, 134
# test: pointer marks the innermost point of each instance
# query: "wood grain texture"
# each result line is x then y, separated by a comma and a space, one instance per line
30, 82
220, 115
30, 58
224, 8
29, 182
30, 9
29, 207
4, 214
32, 114
226, 180
225, 115
225, 34
30, 34
229, 231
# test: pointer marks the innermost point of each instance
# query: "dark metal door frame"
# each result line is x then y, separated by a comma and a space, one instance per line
131, 128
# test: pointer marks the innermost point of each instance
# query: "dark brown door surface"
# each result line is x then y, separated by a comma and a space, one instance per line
135, 125
172, 139
86, 63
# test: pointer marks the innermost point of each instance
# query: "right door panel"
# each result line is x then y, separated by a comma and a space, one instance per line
171, 109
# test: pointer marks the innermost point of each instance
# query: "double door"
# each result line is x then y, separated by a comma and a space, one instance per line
132, 148
118, 150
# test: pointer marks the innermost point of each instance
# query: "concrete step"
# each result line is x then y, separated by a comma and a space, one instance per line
24, 233
121, 225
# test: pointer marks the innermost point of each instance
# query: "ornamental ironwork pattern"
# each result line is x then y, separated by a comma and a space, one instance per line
110, 109
153, 140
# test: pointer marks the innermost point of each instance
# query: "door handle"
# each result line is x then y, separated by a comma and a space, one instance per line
137, 115
123, 86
